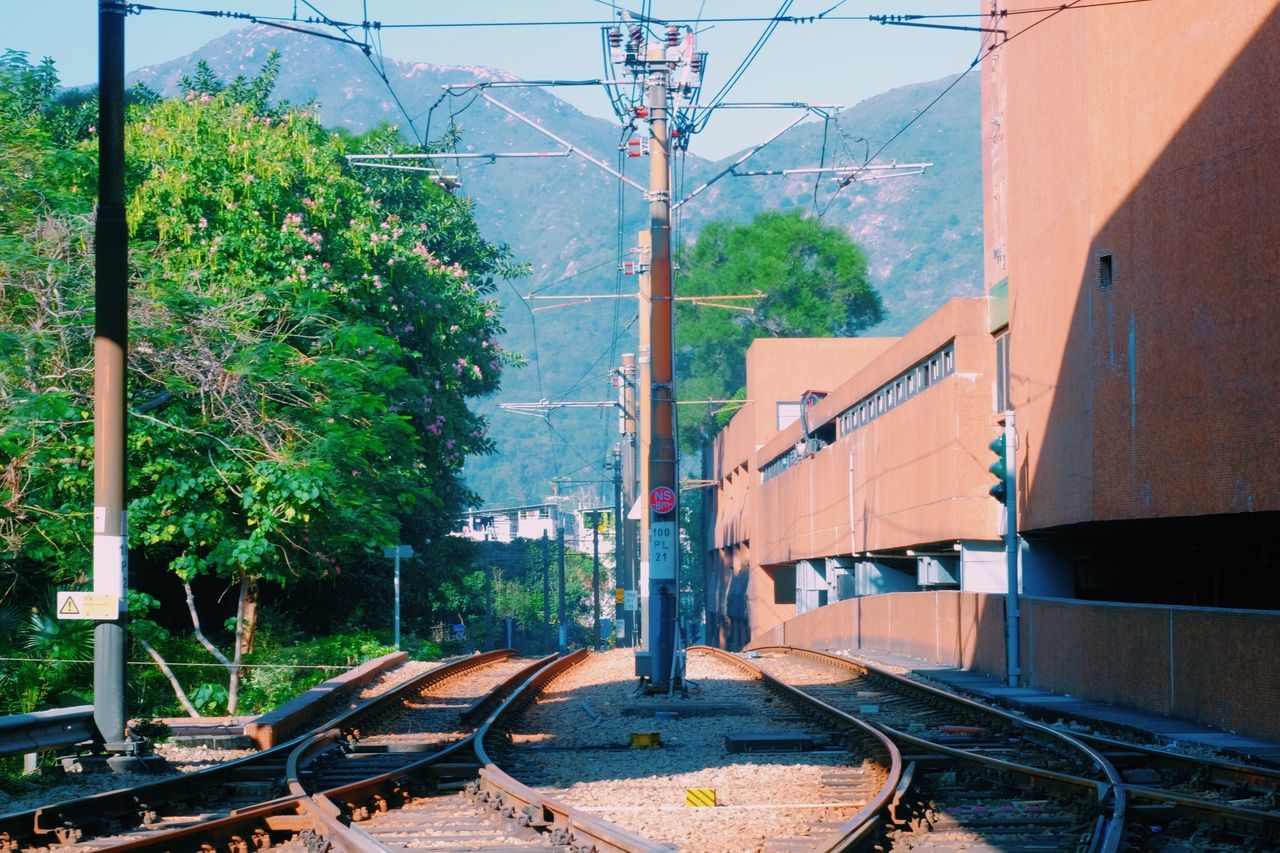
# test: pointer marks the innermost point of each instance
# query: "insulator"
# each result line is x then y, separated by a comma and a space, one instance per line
642, 112
633, 141
673, 36
635, 152
615, 37
636, 33
695, 64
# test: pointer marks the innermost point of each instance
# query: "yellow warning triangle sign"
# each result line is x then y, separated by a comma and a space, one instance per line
69, 607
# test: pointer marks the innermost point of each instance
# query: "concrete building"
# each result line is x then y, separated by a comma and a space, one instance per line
1132, 228
879, 485
577, 516
1132, 219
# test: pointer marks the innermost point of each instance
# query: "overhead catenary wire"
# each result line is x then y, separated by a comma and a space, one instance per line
282, 21
984, 51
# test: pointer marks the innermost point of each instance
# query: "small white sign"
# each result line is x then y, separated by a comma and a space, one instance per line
630, 600
662, 550
393, 551
88, 605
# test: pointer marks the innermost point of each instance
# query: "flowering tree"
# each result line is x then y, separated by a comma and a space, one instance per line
303, 347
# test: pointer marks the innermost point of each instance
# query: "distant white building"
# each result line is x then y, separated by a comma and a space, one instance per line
506, 524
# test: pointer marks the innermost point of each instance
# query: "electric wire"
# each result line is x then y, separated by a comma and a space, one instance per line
277, 20
984, 51
746, 62
568, 277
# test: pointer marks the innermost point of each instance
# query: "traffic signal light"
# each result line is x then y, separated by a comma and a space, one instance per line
999, 468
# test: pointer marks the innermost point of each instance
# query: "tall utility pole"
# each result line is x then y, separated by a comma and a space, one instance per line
546, 590
644, 401
663, 488
110, 354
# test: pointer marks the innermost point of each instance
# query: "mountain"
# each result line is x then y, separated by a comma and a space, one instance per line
561, 215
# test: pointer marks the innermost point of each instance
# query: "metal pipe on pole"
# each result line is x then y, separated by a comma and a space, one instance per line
630, 415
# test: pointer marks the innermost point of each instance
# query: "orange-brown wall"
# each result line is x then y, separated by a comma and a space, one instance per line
919, 470
1214, 666
1149, 132
778, 370
962, 629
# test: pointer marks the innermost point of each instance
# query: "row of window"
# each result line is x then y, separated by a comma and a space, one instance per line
900, 389
892, 394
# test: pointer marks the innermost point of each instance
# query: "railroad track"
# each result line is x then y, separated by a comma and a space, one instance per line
336, 791
128, 817
459, 799
797, 777
971, 759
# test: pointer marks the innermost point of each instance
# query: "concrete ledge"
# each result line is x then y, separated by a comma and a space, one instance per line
294, 716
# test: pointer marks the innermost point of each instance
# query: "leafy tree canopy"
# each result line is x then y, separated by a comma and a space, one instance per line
814, 281
303, 343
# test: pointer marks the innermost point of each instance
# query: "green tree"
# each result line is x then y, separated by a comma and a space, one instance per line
814, 284
303, 344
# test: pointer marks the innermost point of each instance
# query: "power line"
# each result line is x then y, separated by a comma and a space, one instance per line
984, 51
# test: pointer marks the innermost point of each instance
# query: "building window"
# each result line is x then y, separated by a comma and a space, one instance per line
784, 584
788, 413
1002, 373
1106, 271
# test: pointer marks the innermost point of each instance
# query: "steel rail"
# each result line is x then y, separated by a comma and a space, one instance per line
138, 805
859, 830
564, 823
312, 819
1239, 819
1109, 836
489, 785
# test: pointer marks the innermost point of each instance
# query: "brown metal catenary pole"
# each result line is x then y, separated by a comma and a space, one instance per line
110, 349
662, 457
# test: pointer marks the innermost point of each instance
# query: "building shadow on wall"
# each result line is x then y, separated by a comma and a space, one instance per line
1169, 389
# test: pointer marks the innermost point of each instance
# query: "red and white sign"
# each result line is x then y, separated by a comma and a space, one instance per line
662, 500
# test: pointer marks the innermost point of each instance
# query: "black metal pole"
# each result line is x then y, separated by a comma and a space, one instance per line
619, 542
595, 578
110, 349
546, 591
564, 628
488, 607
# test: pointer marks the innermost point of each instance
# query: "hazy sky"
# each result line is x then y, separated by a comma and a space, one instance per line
830, 61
